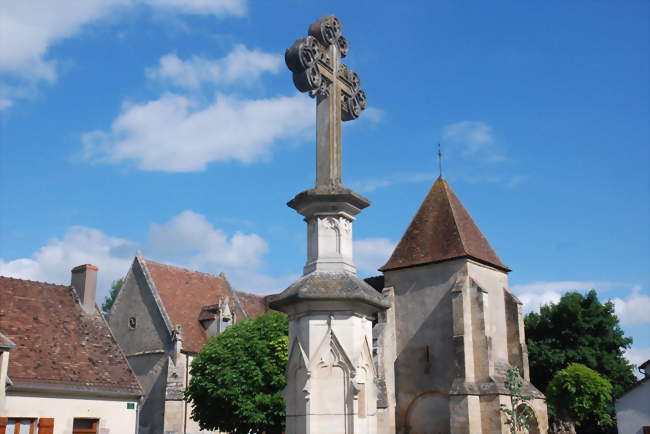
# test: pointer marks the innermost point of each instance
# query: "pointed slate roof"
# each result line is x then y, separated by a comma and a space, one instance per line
441, 230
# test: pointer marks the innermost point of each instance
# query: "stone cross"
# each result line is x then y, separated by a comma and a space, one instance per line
316, 65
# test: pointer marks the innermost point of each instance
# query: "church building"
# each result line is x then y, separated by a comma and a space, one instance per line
161, 318
453, 328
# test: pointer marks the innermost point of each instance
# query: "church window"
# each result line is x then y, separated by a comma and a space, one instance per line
132, 323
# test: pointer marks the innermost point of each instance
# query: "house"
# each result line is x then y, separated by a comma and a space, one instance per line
60, 367
161, 318
633, 406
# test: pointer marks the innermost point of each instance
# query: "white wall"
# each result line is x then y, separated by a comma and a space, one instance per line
4, 363
633, 410
113, 415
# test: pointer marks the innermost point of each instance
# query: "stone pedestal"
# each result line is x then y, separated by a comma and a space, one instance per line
331, 375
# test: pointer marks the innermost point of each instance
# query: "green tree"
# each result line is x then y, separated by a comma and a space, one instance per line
582, 396
578, 329
110, 298
519, 414
238, 376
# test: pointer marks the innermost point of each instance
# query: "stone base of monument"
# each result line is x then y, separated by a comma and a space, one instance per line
331, 376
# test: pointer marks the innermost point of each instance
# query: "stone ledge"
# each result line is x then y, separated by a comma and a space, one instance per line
491, 387
328, 200
329, 287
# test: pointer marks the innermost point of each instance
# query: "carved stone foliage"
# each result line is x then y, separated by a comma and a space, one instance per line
305, 55
341, 225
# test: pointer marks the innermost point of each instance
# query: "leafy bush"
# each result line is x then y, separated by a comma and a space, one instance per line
238, 376
581, 395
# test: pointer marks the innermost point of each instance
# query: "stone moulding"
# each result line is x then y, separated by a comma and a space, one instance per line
329, 286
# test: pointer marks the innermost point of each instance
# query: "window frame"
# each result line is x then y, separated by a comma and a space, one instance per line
93, 430
17, 424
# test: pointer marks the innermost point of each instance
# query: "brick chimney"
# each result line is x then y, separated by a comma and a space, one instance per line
84, 282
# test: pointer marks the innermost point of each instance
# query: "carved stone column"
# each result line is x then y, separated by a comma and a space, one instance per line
331, 375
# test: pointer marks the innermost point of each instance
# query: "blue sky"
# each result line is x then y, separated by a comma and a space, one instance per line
173, 127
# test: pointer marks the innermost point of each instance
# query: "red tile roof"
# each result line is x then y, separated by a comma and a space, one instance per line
442, 229
57, 344
184, 294
253, 305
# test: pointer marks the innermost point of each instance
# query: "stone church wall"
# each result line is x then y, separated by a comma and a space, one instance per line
424, 367
146, 346
457, 328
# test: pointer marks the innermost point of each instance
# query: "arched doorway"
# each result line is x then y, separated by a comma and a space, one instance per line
428, 414
533, 425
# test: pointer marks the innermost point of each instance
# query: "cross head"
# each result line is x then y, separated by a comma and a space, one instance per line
317, 68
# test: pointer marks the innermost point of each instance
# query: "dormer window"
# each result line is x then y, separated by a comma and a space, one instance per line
132, 323
215, 318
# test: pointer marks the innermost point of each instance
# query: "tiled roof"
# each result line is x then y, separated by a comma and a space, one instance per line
253, 305
184, 294
376, 282
442, 229
57, 344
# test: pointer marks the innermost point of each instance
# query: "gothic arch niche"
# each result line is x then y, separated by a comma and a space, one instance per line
364, 380
331, 375
428, 414
298, 396
334, 225
361, 378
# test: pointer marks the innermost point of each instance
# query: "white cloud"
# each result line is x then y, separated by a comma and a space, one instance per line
372, 253
28, 29
5, 103
188, 240
633, 309
563, 286
79, 245
203, 7
240, 65
367, 185
637, 355
536, 294
176, 134
373, 115
475, 139
534, 300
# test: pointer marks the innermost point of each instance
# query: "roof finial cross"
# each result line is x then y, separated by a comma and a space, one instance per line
316, 65
440, 160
